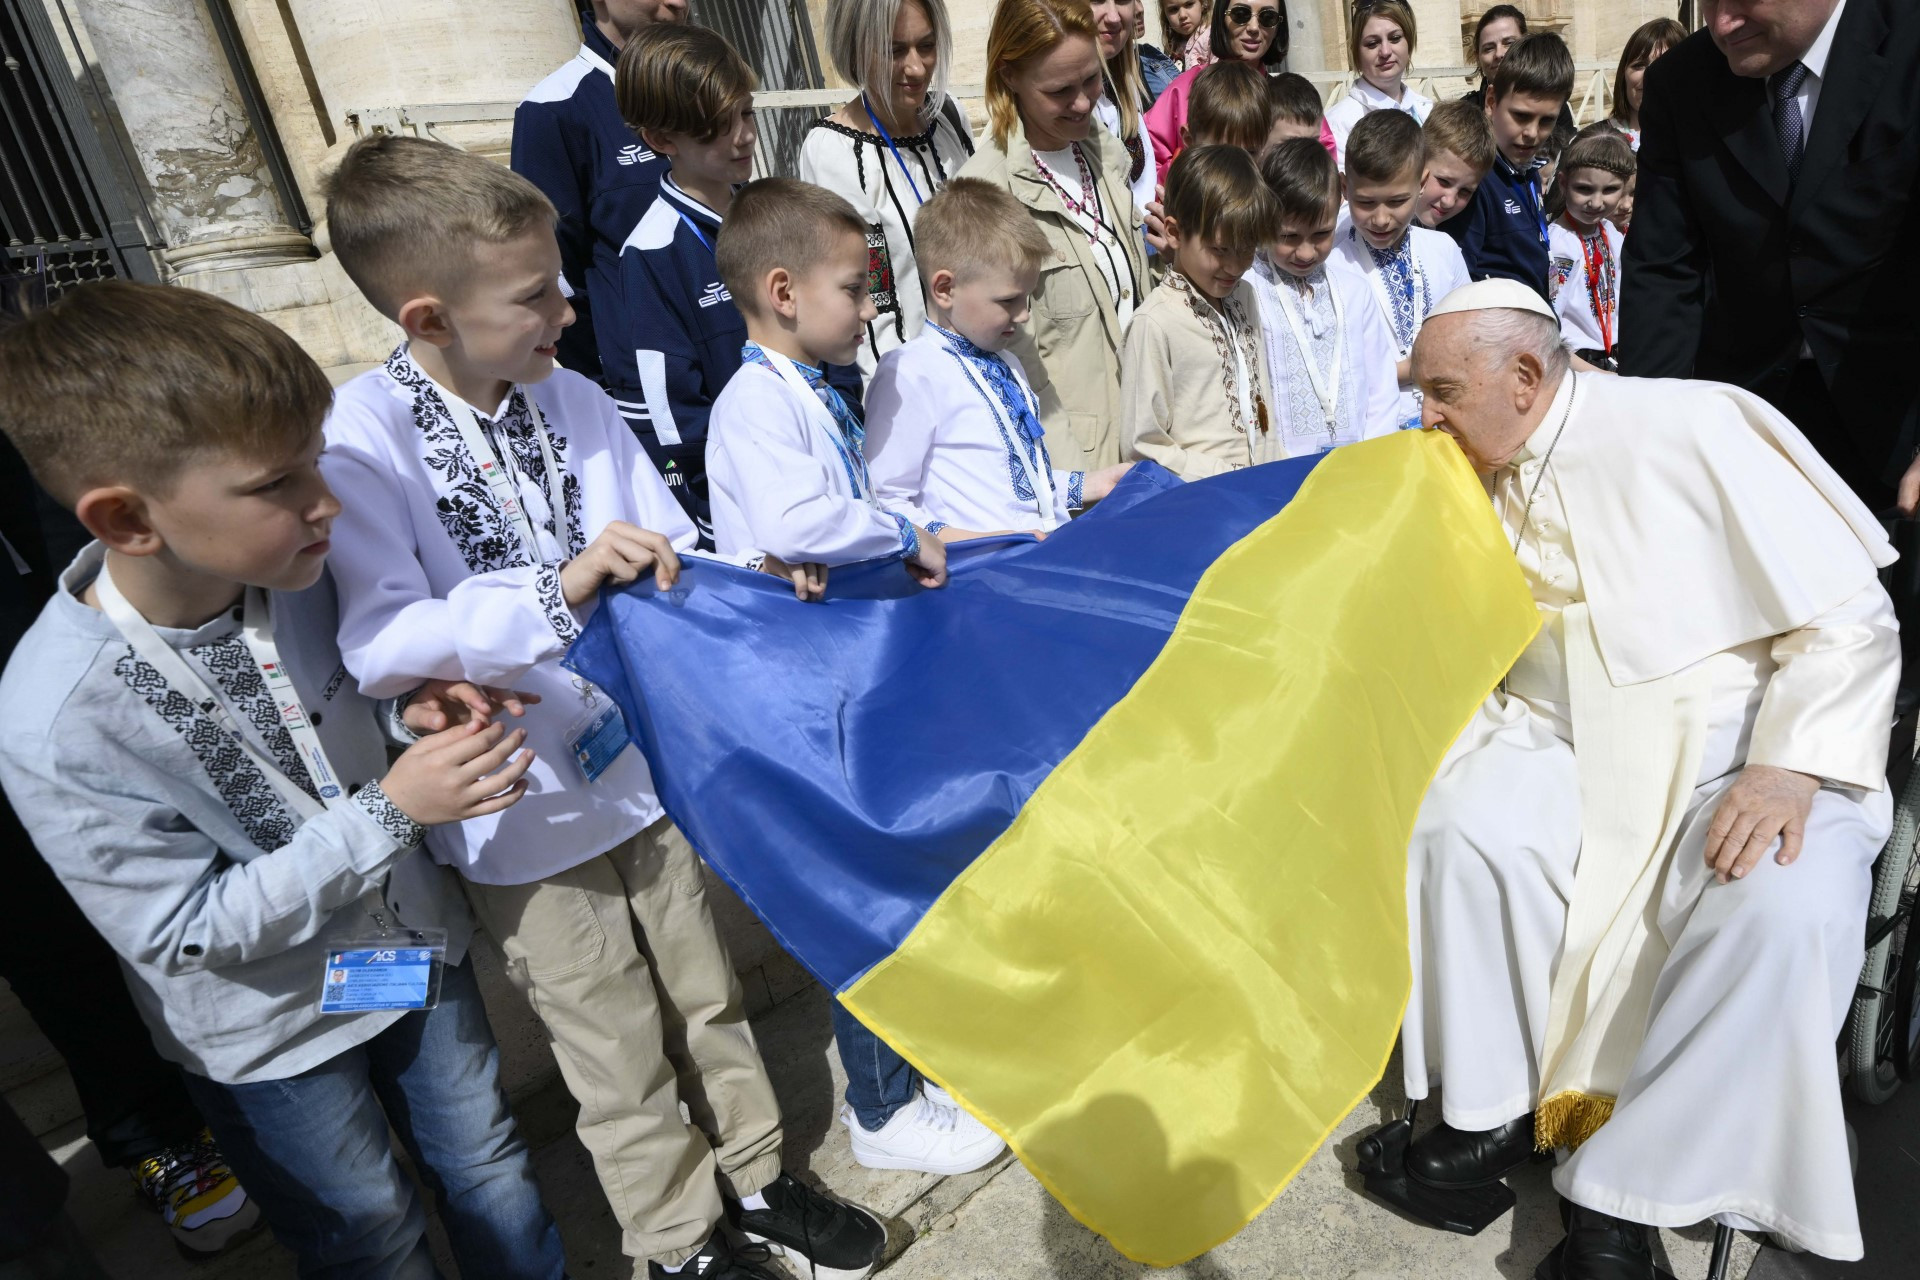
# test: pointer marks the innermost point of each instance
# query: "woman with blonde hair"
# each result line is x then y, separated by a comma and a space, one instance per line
1123, 106
1044, 82
1380, 44
889, 149
1648, 42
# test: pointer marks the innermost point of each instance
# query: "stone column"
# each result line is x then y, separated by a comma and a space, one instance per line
213, 195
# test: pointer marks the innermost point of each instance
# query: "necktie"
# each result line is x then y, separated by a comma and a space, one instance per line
1787, 121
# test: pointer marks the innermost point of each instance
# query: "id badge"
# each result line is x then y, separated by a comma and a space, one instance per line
400, 971
597, 739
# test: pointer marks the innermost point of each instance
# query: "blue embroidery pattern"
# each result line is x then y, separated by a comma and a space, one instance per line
1012, 414
852, 441
1406, 287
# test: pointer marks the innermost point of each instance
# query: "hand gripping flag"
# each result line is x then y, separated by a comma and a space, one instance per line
1109, 836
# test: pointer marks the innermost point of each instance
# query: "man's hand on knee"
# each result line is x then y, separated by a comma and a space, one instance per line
1763, 804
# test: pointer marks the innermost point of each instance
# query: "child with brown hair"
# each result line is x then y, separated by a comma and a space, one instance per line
1229, 106
1585, 244
1409, 268
1330, 356
200, 773
1197, 400
1459, 148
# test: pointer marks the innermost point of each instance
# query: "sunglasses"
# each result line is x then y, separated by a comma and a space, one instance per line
1241, 14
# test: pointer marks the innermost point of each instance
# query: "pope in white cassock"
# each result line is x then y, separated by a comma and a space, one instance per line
1638, 887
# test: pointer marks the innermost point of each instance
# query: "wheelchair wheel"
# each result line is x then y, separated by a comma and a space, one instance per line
1883, 1022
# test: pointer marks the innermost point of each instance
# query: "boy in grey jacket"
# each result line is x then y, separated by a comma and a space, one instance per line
188, 754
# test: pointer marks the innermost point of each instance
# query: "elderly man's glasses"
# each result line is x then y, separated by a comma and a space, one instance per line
1241, 14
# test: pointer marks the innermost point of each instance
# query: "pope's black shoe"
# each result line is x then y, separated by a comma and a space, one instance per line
1599, 1247
1448, 1158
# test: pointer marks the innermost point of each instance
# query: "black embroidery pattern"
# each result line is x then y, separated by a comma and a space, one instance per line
554, 602
248, 795
466, 508
389, 815
230, 663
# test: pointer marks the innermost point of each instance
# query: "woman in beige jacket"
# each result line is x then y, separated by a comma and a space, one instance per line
1044, 78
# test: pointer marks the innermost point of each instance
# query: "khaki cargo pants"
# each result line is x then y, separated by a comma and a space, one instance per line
620, 958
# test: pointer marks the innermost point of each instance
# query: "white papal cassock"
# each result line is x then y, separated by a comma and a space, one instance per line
1709, 600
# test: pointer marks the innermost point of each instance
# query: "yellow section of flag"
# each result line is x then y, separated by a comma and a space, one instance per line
1186, 960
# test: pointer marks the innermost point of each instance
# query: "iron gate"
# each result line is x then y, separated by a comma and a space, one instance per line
64, 212
776, 39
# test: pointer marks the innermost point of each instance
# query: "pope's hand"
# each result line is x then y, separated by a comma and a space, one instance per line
1908, 495
1762, 805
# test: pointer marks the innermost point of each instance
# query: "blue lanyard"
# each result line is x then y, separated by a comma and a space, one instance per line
918, 199
695, 228
1532, 177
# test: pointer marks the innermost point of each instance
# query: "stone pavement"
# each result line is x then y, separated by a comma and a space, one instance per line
990, 1225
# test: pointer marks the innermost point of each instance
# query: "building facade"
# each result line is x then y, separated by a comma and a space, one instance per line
201, 130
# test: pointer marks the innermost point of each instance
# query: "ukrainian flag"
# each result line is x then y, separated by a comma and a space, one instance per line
1108, 837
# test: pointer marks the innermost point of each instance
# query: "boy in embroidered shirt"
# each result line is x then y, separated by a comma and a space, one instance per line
489, 497
1197, 400
785, 451
569, 140
190, 758
1503, 232
954, 439
1585, 244
674, 336
1459, 146
1329, 352
1408, 268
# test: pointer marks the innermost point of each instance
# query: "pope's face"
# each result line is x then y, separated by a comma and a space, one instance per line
1478, 399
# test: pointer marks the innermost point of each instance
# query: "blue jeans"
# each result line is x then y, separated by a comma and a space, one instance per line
879, 1081
313, 1150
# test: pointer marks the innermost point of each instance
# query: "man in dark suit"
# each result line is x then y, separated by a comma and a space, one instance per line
1776, 226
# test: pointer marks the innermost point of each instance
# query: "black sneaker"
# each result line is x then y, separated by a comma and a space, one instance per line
719, 1259
824, 1235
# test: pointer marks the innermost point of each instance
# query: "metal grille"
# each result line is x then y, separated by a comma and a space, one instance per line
776, 39
57, 232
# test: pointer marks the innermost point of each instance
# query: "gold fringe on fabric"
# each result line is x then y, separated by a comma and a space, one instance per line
1569, 1119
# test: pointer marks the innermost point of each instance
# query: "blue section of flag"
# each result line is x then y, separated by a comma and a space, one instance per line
840, 763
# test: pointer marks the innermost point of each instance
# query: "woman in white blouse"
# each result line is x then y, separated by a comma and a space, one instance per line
1122, 109
889, 149
1380, 43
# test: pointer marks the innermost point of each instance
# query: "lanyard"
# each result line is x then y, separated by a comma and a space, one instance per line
1326, 391
822, 417
258, 629
892, 146
1242, 377
1597, 255
1039, 476
1532, 192
695, 228
499, 474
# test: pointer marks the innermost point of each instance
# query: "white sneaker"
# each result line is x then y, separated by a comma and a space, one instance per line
936, 1094
925, 1137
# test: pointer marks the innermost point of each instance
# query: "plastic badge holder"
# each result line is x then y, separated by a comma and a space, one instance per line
398, 971
597, 739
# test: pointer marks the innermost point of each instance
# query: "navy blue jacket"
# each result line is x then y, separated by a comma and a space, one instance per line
1503, 233
569, 140
672, 339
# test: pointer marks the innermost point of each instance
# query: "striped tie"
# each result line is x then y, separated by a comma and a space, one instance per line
1787, 121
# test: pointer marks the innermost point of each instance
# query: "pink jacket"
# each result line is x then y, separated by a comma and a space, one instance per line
1168, 115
